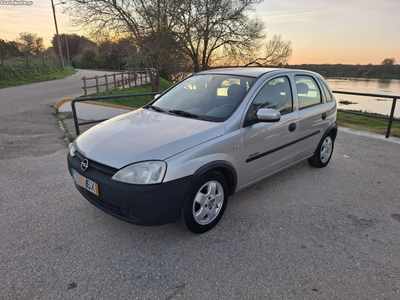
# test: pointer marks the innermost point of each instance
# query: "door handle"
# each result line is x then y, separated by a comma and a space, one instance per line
292, 127
323, 116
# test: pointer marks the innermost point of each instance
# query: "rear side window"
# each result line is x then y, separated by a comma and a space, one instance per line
308, 91
327, 92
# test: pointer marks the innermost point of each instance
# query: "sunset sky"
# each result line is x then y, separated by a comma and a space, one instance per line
322, 31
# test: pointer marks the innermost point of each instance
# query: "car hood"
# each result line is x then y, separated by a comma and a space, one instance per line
144, 135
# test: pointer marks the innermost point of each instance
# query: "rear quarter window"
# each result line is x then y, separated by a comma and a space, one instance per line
327, 91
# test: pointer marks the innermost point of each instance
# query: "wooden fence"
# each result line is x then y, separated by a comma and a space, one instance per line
123, 79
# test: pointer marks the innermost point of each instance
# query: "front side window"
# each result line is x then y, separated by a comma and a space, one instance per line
308, 92
210, 97
275, 94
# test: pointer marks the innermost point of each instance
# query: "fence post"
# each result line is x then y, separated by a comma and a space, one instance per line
106, 78
97, 83
391, 117
141, 77
129, 78
122, 77
84, 85
115, 81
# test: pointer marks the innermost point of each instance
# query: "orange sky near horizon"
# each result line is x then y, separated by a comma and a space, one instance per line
321, 31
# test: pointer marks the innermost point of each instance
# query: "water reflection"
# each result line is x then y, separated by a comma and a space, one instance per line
379, 105
384, 83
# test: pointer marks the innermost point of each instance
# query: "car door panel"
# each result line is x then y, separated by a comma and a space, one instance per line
268, 147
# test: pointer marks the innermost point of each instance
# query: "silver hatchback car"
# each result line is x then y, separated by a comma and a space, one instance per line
207, 137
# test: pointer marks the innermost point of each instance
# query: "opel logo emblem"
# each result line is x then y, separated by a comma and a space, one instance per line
84, 165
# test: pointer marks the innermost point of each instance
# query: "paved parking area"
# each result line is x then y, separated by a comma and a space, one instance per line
306, 233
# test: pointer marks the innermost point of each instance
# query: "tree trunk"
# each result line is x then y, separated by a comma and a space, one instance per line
196, 65
154, 79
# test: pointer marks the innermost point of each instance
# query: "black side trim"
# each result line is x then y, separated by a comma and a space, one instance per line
281, 147
334, 128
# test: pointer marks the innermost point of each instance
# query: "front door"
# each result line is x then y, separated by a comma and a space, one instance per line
269, 147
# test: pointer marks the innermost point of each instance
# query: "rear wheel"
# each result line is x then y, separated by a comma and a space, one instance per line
205, 202
323, 154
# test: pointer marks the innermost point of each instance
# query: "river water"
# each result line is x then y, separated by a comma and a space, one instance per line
372, 86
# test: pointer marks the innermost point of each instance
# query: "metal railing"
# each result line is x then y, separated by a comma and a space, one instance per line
390, 118
77, 124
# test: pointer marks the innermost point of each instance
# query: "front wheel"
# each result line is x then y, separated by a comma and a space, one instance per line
323, 154
205, 202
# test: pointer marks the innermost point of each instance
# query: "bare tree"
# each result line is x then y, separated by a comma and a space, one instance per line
150, 23
39, 48
171, 32
27, 44
209, 30
277, 52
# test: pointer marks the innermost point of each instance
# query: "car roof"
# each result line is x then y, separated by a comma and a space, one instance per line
248, 71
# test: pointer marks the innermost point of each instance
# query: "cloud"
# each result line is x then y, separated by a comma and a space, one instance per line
291, 17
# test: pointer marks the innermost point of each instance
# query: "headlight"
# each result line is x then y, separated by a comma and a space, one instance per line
147, 172
72, 150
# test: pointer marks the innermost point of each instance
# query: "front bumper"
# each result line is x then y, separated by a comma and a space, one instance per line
155, 204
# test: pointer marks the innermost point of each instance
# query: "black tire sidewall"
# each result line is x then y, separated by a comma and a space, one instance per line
318, 153
186, 214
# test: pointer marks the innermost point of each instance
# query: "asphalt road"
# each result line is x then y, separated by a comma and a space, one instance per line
306, 233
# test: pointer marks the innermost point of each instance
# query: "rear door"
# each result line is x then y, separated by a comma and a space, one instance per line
312, 114
269, 147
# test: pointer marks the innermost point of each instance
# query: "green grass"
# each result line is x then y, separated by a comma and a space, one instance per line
19, 73
367, 124
134, 102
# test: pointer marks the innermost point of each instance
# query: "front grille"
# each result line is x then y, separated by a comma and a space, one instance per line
95, 165
96, 200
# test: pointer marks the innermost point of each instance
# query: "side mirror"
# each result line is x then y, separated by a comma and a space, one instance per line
268, 115
156, 96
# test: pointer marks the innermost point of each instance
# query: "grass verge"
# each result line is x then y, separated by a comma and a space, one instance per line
134, 102
367, 124
63, 127
19, 73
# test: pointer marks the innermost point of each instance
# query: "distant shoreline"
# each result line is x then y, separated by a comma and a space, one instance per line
352, 71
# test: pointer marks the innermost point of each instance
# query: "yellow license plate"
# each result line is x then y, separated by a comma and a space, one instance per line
86, 183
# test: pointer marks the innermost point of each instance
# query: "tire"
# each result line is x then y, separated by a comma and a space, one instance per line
205, 202
323, 154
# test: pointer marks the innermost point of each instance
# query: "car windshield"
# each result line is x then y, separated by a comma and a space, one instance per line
208, 97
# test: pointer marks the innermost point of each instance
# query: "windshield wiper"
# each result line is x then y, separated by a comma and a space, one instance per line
186, 114
156, 108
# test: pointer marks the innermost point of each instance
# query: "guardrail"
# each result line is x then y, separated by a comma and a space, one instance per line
77, 124
120, 79
390, 118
